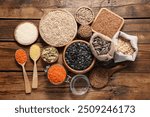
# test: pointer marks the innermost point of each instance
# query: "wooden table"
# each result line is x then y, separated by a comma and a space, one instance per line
131, 83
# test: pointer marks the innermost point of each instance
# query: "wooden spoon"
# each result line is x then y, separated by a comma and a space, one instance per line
117, 68
35, 55
21, 58
99, 77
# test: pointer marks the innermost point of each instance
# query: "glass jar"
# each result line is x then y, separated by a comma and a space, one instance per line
79, 84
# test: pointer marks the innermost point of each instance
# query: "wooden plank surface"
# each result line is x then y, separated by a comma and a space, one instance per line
122, 86
139, 27
130, 83
32, 9
8, 63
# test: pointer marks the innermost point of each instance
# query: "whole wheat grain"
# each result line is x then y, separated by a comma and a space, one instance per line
107, 23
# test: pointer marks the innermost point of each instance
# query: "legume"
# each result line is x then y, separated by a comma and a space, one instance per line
78, 56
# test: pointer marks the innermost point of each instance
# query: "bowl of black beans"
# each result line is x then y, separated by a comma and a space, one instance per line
77, 57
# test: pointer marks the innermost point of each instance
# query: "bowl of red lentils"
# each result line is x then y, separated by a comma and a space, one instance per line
56, 74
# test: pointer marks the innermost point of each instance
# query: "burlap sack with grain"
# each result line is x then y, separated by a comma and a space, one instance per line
119, 56
104, 57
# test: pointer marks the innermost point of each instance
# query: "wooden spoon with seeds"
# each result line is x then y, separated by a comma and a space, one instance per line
99, 77
21, 58
35, 55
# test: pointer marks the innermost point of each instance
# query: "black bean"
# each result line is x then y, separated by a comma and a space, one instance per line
78, 56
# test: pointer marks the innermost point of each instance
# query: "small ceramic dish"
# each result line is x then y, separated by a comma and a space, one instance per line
47, 52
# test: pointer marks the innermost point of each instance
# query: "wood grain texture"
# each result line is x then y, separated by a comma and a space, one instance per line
139, 27
32, 9
8, 63
122, 86
130, 83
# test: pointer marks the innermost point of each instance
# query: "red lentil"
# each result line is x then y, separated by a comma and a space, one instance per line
56, 74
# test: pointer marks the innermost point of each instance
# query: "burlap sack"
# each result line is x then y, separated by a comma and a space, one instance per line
105, 57
119, 56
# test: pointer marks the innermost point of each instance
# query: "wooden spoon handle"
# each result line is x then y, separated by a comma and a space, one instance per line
117, 68
26, 80
35, 77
